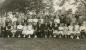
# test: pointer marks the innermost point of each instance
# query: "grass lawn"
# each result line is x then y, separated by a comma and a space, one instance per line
41, 44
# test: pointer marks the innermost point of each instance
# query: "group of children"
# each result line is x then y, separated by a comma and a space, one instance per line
33, 27
40, 29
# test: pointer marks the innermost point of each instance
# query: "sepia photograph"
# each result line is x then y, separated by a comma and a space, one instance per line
42, 24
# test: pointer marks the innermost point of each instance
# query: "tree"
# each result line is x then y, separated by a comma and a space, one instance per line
10, 5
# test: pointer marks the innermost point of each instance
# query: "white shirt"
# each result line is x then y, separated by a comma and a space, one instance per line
61, 28
20, 27
76, 28
41, 20
57, 20
10, 16
35, 20
24, 27
14, 19
29, 27
65, 28
3, 20
82, 28
30, 20
70, 28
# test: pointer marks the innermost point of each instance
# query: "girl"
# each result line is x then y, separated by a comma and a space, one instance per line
60, 31
65, 31
70, 31
24, 30
30, 30
14, 29
77, 31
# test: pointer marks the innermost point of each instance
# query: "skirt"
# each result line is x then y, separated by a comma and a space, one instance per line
29, 32
77, 33
65, 32
70, 32
24, 32
13, 31
61, 32
55, 32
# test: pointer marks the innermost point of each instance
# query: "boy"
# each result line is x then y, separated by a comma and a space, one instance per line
3, 31
19, 30
82, 31
50, 29
8, 30
55, 30
46, 30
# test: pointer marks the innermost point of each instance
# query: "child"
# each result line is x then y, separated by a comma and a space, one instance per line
24, 30
55, 30
60, 31
50, 30
77, 31
3, 31
82, 31
30, 30
65, 31
19, 30
14, 29
8, 29
70, 31
46, 30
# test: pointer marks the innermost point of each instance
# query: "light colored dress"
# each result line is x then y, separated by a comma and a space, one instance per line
61, 30
70, 30
77, 29
65, 30
30, 30
24, 30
